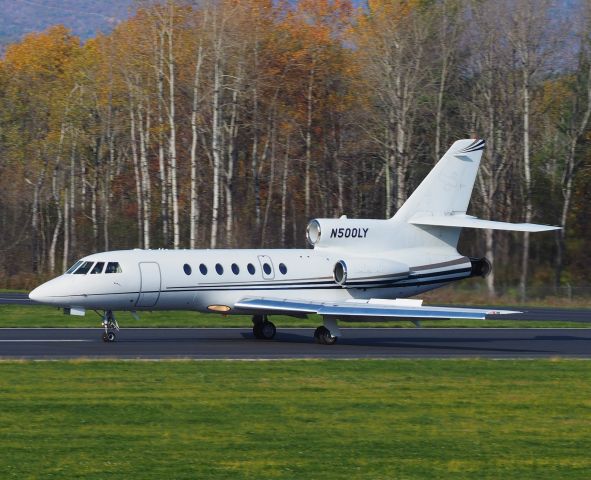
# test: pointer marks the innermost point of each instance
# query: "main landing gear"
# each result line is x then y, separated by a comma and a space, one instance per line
110, 325
328, 333
262, 328
323, 336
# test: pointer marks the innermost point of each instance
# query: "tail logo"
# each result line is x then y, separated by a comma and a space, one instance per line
474, 146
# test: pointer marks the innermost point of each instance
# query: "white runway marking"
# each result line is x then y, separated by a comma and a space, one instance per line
43, 340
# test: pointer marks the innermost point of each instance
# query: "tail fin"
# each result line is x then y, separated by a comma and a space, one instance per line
446, 190
435, 213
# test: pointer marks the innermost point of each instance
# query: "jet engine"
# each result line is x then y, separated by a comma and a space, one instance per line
358, 271
481, 267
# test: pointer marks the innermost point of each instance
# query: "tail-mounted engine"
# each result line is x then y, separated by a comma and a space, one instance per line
481, 267
368, 271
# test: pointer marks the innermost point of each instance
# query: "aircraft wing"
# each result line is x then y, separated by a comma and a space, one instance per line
360, 309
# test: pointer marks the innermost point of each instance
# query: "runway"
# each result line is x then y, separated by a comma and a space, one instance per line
239, 343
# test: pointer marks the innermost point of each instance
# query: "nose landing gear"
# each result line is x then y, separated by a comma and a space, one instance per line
110, 325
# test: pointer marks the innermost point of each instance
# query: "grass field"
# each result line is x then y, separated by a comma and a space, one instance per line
296, 419
15, 316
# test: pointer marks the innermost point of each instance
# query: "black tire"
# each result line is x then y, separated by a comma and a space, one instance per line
257, 331
111, 336
105, 337
268, 330
323, 336
258, 319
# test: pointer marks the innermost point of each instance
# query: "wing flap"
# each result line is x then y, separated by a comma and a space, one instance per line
467, 221
373, 308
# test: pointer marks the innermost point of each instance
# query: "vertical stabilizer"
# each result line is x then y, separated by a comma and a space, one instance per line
446, 190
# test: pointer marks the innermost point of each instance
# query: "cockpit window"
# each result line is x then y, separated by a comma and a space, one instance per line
113, 267
98, 268
84, 268
74, 267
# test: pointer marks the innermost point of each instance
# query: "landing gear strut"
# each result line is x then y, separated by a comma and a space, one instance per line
262, 328
110, 325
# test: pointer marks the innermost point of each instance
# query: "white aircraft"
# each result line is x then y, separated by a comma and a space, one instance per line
357, 270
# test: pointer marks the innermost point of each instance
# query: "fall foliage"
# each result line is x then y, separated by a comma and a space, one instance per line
232, 123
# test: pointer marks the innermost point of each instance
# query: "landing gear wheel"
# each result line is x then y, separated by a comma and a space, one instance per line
111, 326
109, 337
268, 330
264, 330
256, 331
323, 336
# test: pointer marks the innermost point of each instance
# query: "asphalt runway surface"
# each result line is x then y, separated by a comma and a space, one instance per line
528, 313
239, 343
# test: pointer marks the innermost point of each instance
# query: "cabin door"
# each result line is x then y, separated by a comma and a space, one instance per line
149, 284
267, 267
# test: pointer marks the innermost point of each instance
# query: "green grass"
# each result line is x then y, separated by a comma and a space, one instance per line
296, 419
15, 316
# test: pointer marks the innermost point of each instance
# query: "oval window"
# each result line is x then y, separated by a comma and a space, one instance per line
187, 268
203, 269
282, 268
267, 268
219, 268
235, 269
250, 268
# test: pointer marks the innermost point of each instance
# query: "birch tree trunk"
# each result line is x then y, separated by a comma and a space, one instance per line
172, 128
216, 140
309, 106
163, 177
527, 183
284, 192
144, 140
195, 211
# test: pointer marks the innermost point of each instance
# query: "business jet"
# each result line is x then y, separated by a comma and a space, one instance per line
356, 270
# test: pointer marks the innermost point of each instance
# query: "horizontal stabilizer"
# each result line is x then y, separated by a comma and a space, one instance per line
467, 221
360, 309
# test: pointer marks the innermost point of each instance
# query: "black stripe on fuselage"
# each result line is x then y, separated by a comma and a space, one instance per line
268, 288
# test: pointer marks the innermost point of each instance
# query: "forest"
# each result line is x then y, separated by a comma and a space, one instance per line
232, 123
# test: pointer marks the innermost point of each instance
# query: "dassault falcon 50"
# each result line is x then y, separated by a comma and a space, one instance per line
356, 270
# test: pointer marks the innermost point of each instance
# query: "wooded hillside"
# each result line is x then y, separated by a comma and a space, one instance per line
232, 123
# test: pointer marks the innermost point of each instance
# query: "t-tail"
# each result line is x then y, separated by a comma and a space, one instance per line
431, 218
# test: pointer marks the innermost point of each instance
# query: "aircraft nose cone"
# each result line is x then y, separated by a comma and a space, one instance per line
38, 294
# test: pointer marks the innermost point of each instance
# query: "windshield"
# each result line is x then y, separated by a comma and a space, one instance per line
84, 268
74, 267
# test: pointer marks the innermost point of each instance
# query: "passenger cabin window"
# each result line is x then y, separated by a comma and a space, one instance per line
267, 268
113, 267
84, 268
282, 268
203, 269
98, 268
187, 268
74, 267
235, 269
251, 269
219, 268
